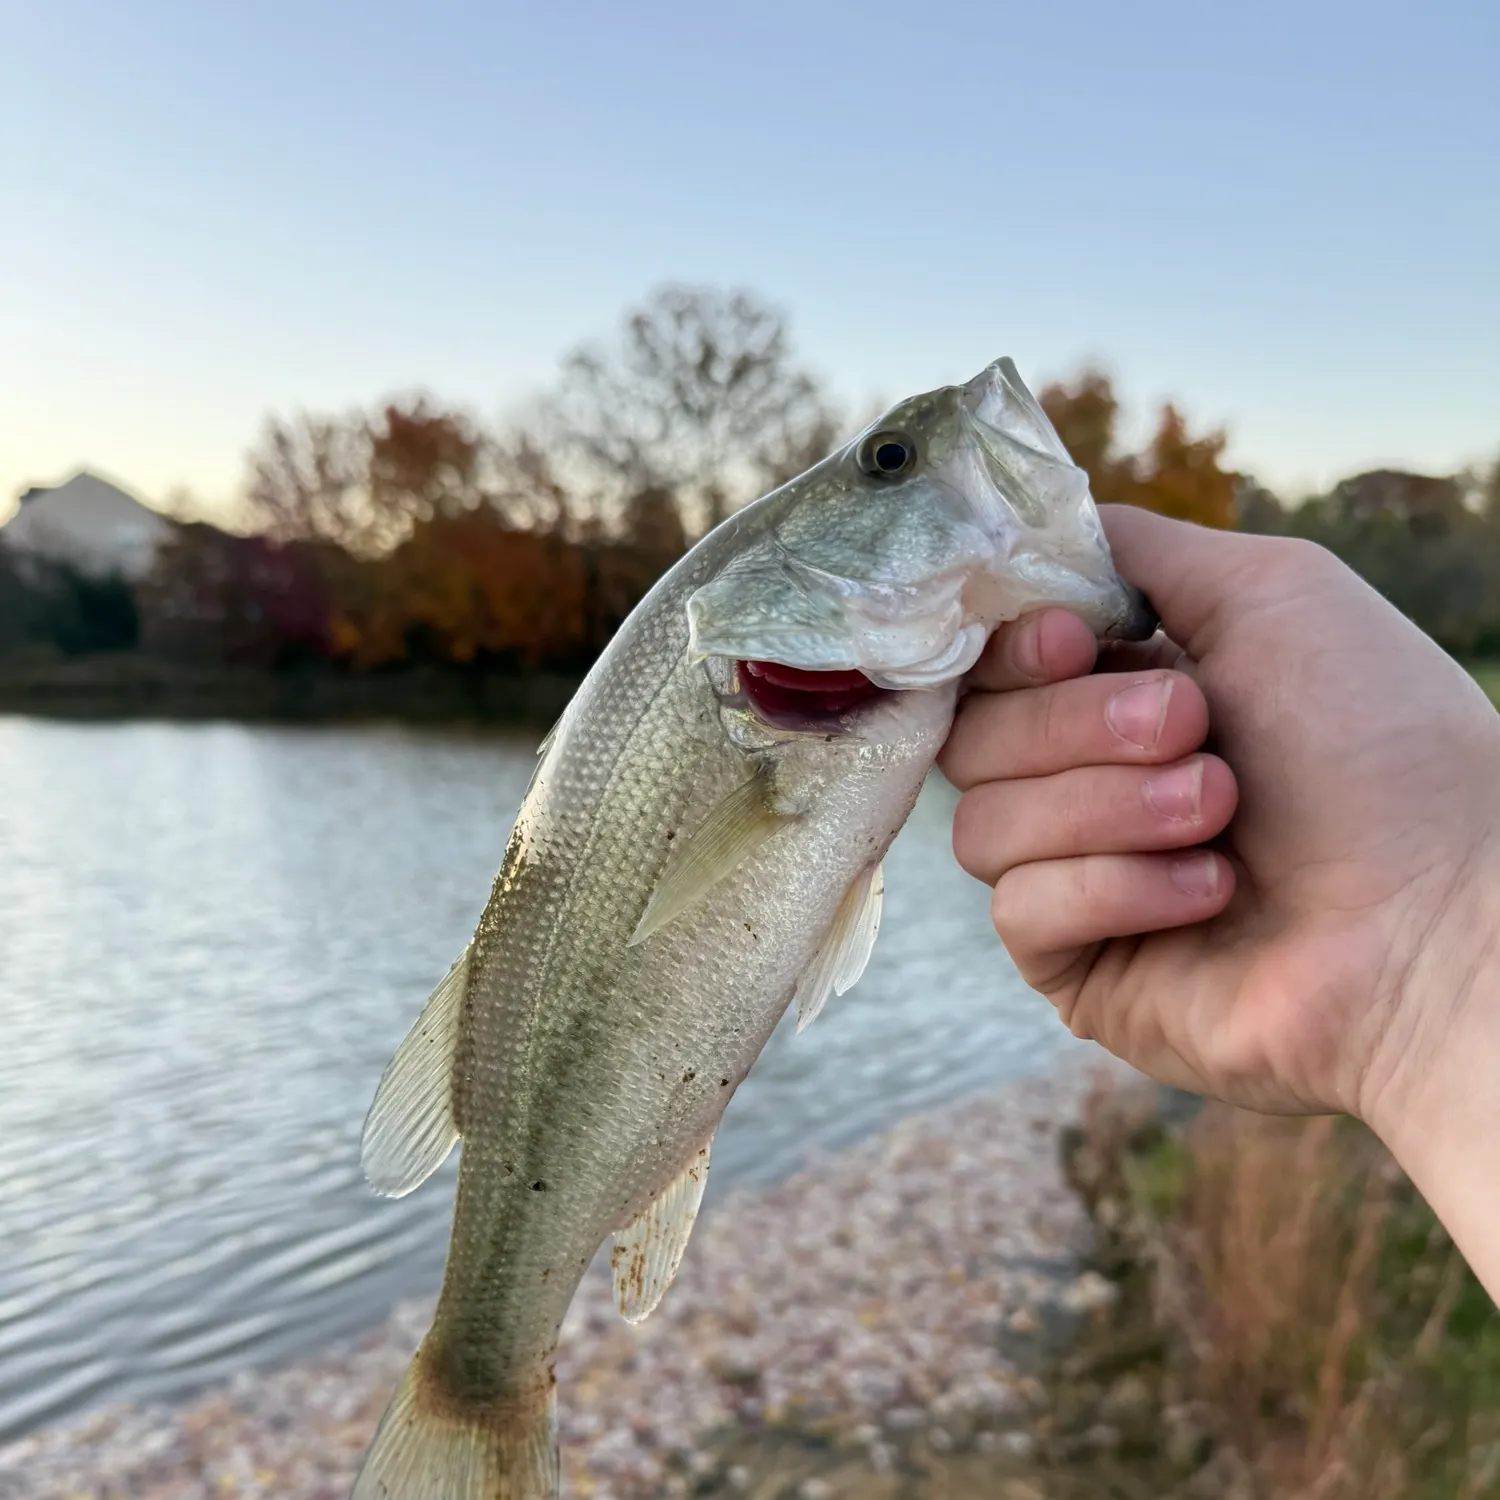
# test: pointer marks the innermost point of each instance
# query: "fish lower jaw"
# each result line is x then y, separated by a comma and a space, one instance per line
946, 664
797, 701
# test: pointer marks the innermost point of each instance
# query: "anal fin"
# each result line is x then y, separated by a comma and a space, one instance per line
846, 948
411, 1128
648, 1252
727, 837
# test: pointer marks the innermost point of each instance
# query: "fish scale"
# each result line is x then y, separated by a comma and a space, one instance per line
688, 858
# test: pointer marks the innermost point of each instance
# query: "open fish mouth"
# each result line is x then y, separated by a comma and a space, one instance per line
804, 701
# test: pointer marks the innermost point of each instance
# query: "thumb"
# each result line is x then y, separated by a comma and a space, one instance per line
1188, 572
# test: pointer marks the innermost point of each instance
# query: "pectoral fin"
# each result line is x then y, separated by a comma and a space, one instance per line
648, 1252
727, 837
411, 1128
846, 948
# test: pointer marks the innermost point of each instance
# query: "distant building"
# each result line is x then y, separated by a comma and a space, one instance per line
91, 524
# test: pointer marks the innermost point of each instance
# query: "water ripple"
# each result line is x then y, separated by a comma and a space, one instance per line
212, 937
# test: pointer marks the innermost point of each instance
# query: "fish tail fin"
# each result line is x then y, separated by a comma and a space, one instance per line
429, 1448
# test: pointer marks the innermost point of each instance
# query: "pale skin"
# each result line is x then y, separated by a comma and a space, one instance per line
1259, 859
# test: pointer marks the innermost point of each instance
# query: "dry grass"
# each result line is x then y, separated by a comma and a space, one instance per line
1337, 1341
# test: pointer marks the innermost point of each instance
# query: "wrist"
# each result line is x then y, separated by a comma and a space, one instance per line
1437, 1108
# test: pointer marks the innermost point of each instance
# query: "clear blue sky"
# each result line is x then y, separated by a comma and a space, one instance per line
1286, 215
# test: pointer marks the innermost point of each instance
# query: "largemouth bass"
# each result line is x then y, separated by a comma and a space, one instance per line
700, 846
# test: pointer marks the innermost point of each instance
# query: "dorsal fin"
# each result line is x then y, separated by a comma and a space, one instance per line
411, 1128
541, 755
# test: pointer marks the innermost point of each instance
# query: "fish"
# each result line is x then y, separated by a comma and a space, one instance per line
699, 849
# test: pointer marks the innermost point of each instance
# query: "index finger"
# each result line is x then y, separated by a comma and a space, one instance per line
1050, 645
1149, 718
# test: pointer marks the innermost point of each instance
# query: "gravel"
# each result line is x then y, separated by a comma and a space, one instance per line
889, 1288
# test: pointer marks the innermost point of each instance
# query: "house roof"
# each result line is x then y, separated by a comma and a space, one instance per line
88, 522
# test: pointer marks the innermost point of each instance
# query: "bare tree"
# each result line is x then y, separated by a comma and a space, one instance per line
700, 397
362, 482
529, 492
308, 479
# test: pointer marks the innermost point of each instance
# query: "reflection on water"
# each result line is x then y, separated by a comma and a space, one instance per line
211, 939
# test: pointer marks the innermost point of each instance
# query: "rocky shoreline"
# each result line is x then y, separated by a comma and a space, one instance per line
884, 1307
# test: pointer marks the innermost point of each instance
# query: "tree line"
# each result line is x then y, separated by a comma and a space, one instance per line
416, 533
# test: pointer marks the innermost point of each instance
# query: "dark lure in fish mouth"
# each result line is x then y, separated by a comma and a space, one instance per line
795, 699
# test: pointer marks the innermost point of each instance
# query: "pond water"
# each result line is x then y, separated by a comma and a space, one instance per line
212, 936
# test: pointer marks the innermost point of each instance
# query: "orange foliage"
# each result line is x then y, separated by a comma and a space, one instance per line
1180, 475
1177, 475
428, 537
1085, 418
467, 586
424, 463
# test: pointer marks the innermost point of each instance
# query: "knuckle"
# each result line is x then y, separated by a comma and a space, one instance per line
1052, 720
1007, 910
1076, 810
1080, 1023
1096, 885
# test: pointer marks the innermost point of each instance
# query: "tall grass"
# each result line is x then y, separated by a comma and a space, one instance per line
1318, 1313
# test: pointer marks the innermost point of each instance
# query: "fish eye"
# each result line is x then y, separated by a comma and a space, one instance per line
885, 455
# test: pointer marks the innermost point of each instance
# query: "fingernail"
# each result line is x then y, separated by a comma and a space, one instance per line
1137, 713
1196, 874
1177, 793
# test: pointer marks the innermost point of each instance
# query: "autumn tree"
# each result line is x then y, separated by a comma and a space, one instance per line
1180, 475
1176, 475
699, 398
466, 587
424, 462
1086, 415
363, 482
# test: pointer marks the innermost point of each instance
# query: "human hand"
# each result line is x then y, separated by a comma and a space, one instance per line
1333, 947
